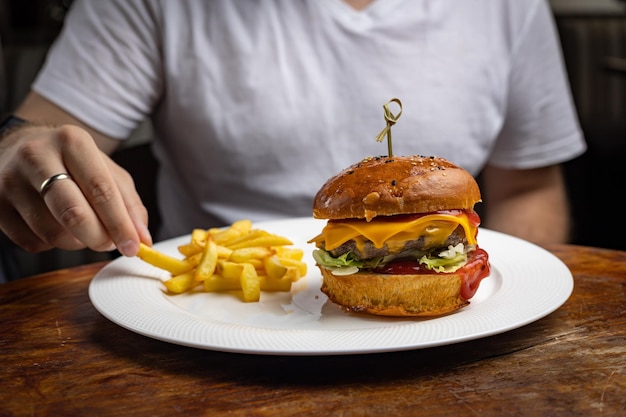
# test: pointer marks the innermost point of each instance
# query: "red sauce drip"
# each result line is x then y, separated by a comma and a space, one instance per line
476, 268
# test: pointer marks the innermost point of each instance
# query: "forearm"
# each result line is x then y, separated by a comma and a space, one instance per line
532, 204
35, 109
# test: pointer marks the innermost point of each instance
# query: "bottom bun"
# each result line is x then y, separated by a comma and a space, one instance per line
395, 295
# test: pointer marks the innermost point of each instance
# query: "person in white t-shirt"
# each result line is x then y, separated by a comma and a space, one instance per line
255, 104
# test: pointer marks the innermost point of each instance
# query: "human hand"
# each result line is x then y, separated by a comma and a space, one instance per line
96, 208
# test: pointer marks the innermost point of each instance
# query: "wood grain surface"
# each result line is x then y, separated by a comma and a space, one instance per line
60, 357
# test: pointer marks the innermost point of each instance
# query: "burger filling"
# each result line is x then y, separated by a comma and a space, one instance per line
437, 242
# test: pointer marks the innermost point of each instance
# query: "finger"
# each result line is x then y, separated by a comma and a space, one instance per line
22, 235
103, 192
27, 221
91, 171
71, 210
136, 209
16, 229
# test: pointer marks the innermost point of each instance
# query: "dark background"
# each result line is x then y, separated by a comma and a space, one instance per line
594, 49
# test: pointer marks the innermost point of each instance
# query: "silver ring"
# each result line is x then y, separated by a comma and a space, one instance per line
48, 182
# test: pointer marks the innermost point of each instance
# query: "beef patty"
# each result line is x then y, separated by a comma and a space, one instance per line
370, 251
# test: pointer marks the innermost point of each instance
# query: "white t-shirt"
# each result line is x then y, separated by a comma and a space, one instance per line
256, 103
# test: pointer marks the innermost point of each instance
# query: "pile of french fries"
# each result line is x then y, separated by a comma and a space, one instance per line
235, 258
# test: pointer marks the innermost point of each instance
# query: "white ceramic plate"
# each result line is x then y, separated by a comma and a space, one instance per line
526, 284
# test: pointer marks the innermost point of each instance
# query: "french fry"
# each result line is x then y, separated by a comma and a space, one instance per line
233, 258
275, 284
208, 263
199, 237
161, 260
237, 229
194, 260
190, 249
263, 241
250, 284
244, 226
242, 238
290, 253
299, 265
273, 267
223, 252
256, 263
292, 274
216, 283
230, 270
181, 283
244, 255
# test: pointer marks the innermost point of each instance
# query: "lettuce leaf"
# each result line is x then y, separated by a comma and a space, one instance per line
448, 260
439, 264
325, 259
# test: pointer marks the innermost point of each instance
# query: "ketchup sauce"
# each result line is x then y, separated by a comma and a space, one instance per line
476, 268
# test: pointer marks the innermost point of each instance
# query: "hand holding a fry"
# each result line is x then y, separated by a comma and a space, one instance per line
235, 258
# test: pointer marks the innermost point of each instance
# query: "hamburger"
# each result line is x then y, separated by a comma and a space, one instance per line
401, 237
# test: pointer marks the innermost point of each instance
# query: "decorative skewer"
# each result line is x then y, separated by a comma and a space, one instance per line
390, 119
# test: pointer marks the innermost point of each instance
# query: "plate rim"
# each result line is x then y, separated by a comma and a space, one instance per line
266, 339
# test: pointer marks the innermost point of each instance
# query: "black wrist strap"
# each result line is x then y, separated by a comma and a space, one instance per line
10, 122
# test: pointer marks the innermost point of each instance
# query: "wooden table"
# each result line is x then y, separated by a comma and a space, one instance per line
60, 357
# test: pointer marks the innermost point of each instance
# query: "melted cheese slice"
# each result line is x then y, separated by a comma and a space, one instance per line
434, 227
